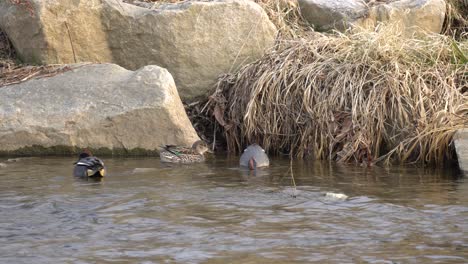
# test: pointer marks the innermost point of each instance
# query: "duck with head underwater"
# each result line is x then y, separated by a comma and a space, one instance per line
254, 157
176, 154
88, 165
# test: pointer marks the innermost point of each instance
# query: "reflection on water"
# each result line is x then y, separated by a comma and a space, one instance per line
215, 212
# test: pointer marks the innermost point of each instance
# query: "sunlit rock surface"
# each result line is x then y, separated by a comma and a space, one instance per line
95, 106
410, 16
195, 41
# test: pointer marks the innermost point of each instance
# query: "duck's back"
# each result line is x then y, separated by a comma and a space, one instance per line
179, 155
88, 166
257, 153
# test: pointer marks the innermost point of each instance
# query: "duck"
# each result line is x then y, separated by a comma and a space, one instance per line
254, 157
89, 165
176, 154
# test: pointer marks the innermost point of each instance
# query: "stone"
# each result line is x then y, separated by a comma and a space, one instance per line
195, 41
96, 106
411, 16
460, 141
325, 15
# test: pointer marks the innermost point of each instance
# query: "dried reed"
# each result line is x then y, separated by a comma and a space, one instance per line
456, 19
362, 97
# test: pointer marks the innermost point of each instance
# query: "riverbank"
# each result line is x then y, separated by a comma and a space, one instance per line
366, 93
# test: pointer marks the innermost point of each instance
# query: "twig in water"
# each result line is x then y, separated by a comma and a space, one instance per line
214, 137
292, 179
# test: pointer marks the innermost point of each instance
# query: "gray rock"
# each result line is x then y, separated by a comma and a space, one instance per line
326, 15
95, 106
195, 41
411, 16
257, 153
461, 146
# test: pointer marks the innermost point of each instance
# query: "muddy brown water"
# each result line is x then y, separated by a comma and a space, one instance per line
148, 212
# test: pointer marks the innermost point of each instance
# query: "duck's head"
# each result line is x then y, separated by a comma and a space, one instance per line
85, 153
200, 147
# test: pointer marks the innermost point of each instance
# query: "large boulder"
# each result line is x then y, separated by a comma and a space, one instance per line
95, 106
195, 41
461, 147
411, 16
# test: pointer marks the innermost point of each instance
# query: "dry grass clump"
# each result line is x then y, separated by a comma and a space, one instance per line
23, 73
358, 97
7, 53
204, 124
456, 19
8, 58
12, 71
286, 16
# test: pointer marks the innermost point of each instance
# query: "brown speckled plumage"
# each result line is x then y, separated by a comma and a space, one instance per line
175, 154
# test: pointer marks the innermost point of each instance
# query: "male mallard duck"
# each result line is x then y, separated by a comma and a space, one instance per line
253, 157
88, 166
175, 154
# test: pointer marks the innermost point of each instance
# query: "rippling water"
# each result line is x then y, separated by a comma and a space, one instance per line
148, 212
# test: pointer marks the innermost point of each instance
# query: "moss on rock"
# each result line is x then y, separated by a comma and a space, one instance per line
37, 150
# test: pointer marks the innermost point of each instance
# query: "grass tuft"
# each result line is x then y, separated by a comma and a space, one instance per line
456, 19
357, 97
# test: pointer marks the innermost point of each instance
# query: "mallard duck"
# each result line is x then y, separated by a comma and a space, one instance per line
89, 166
175, 154
254, 157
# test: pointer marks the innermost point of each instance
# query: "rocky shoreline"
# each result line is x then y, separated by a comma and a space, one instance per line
134, 63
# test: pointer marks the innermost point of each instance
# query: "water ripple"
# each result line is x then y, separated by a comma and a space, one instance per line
208, 213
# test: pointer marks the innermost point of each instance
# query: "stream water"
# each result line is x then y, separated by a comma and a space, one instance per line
148, 212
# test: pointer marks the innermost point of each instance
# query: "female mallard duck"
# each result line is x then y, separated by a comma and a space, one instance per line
175, 154
88, 166
253, 157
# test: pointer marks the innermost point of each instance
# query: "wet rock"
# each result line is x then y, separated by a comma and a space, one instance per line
411, 16
335, 196
461, 146
195, 41
95, 106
